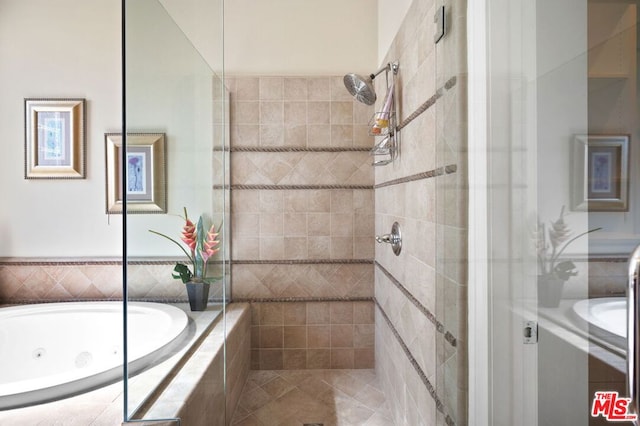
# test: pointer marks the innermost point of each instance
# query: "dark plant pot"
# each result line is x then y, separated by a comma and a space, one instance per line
549, 291
198, 295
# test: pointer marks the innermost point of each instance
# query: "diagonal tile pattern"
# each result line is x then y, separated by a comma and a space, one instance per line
67, 280
321, 280
301, 168
300, 397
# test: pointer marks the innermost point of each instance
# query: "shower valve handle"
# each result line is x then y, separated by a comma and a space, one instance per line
387, 238
394, 238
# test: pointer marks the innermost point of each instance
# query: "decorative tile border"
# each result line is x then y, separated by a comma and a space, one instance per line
92, 262
430, 388
298, 187
613, 259
298, 149
429, 102
214, 300
304, 262
451, 168
58, 262
430, 315
301, 299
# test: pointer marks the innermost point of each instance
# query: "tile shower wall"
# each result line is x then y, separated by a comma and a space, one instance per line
420, 295
302, 221
312, 335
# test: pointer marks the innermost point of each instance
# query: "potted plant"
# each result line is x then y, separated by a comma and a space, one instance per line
553, 272
202, 246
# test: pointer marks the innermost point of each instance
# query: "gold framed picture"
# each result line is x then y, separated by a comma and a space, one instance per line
142, 170
601, 173
54, 139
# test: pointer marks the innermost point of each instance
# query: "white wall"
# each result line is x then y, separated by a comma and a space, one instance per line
66, 48
202, 23
562, 109
391, 13
292, 37
169, 90
72, 48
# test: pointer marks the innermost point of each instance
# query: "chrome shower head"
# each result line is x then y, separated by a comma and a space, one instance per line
360, 88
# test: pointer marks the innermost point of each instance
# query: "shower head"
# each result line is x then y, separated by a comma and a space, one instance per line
360, 88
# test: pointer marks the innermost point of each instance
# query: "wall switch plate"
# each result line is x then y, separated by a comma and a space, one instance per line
439, 19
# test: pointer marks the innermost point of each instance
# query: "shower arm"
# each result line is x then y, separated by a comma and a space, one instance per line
633, 316
390, 66
377, 73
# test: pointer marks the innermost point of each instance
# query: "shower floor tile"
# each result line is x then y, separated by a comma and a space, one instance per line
312, 397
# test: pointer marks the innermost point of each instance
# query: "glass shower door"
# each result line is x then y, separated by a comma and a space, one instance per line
562, 205
175, 115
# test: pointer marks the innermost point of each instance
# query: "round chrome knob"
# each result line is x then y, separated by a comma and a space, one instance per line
394, 238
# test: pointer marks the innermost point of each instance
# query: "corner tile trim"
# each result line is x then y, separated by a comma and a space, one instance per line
430, 388
430, 316
449, 169
298, 187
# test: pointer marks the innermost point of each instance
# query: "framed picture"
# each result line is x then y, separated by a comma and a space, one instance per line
55, 142
144, 172
601, 173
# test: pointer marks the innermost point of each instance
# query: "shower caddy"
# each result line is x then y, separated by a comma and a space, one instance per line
383, 123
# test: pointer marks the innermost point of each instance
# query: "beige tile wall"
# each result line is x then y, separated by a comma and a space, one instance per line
272, 224
303, 280
296, 112
312, 335
421, 294
302, 220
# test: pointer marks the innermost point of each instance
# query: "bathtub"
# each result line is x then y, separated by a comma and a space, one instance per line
54, 350
606, 318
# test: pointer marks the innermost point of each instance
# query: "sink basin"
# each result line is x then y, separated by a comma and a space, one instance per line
607, 313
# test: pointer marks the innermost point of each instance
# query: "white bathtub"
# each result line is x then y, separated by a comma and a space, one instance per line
606, 318
54, 350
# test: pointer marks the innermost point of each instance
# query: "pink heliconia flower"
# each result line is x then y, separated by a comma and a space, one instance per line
189, 235
210, 244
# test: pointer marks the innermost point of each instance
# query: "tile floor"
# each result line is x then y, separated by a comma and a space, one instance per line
312, 397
